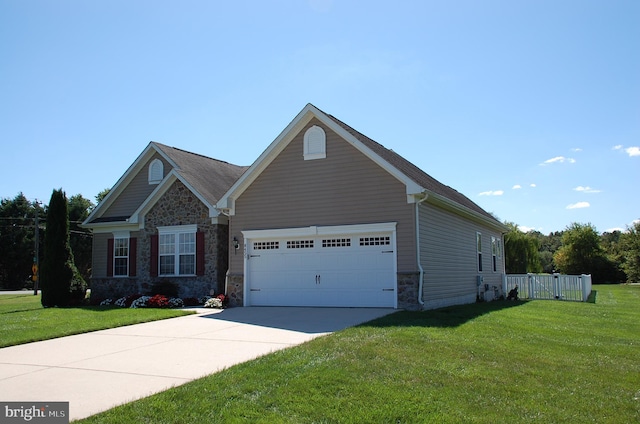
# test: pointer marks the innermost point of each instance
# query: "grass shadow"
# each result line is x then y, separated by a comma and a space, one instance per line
447, 317
592, 296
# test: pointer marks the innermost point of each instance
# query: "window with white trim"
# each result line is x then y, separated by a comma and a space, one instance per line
496, 252
315, 143
177, 250
121, 256
479, 250
156, 171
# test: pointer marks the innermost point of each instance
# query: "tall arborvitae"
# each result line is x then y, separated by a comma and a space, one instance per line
56, 270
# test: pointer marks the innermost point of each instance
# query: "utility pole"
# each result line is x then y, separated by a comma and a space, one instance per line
36, 259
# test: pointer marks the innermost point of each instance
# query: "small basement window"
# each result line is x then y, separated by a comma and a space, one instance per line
315, 143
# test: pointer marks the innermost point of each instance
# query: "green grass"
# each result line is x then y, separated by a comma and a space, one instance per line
498, 362
24, 320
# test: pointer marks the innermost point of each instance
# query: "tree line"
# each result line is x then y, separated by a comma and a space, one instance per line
18, 217
610, 257
579, 249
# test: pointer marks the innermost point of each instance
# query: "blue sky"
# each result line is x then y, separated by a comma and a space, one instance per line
529, 108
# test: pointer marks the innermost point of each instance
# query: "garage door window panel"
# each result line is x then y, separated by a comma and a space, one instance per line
341, 242
300, 244
375, 241
266, 245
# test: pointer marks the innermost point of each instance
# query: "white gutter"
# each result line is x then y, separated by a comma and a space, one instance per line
420, 284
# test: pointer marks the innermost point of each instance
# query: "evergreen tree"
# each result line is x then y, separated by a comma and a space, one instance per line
57, 268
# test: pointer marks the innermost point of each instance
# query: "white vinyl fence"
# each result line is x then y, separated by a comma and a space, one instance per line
549, 286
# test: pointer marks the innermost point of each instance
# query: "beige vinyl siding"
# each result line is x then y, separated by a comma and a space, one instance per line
449, 257
135, 192
344, 188
99, 255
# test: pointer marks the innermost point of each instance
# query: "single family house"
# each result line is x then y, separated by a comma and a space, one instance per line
324, 217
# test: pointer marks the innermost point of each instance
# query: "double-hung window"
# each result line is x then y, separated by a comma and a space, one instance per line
177, 250
496, 252
121, 256
479, 250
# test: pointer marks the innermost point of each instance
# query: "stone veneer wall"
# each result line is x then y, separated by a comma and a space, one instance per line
178, 206
408, 285
235, 289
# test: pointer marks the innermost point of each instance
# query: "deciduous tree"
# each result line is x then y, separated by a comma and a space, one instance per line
630, 246
521, 251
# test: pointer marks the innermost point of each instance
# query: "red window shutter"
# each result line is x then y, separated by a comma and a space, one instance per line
154, 256
133, 244
200, 253
110, 257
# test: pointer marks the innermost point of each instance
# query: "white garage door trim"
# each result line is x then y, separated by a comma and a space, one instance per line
388, 229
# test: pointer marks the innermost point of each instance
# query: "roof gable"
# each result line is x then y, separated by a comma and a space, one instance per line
418, 183
206, 177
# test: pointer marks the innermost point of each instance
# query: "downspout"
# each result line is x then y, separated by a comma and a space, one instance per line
226, 276
420, 283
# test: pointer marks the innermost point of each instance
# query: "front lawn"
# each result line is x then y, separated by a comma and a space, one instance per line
498, 362
24, 320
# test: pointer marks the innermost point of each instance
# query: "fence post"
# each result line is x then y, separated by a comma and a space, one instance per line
586, 288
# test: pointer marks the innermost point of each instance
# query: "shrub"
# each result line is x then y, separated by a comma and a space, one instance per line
164, 287
126, 301
191, 301
158, 301
140, 302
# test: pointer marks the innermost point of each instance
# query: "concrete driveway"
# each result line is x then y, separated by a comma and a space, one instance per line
99, 370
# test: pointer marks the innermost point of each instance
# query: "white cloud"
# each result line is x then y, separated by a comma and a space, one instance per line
516, 187
525, 229
558, 159
633, 151
532, 185
579, 205
576, 149
586, 189
492, 193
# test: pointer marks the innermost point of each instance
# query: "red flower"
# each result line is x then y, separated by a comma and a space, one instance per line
158, 301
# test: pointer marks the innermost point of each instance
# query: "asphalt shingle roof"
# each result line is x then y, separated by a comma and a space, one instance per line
412, 171
209, 177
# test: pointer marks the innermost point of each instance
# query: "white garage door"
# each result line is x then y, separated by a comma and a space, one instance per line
322, 266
